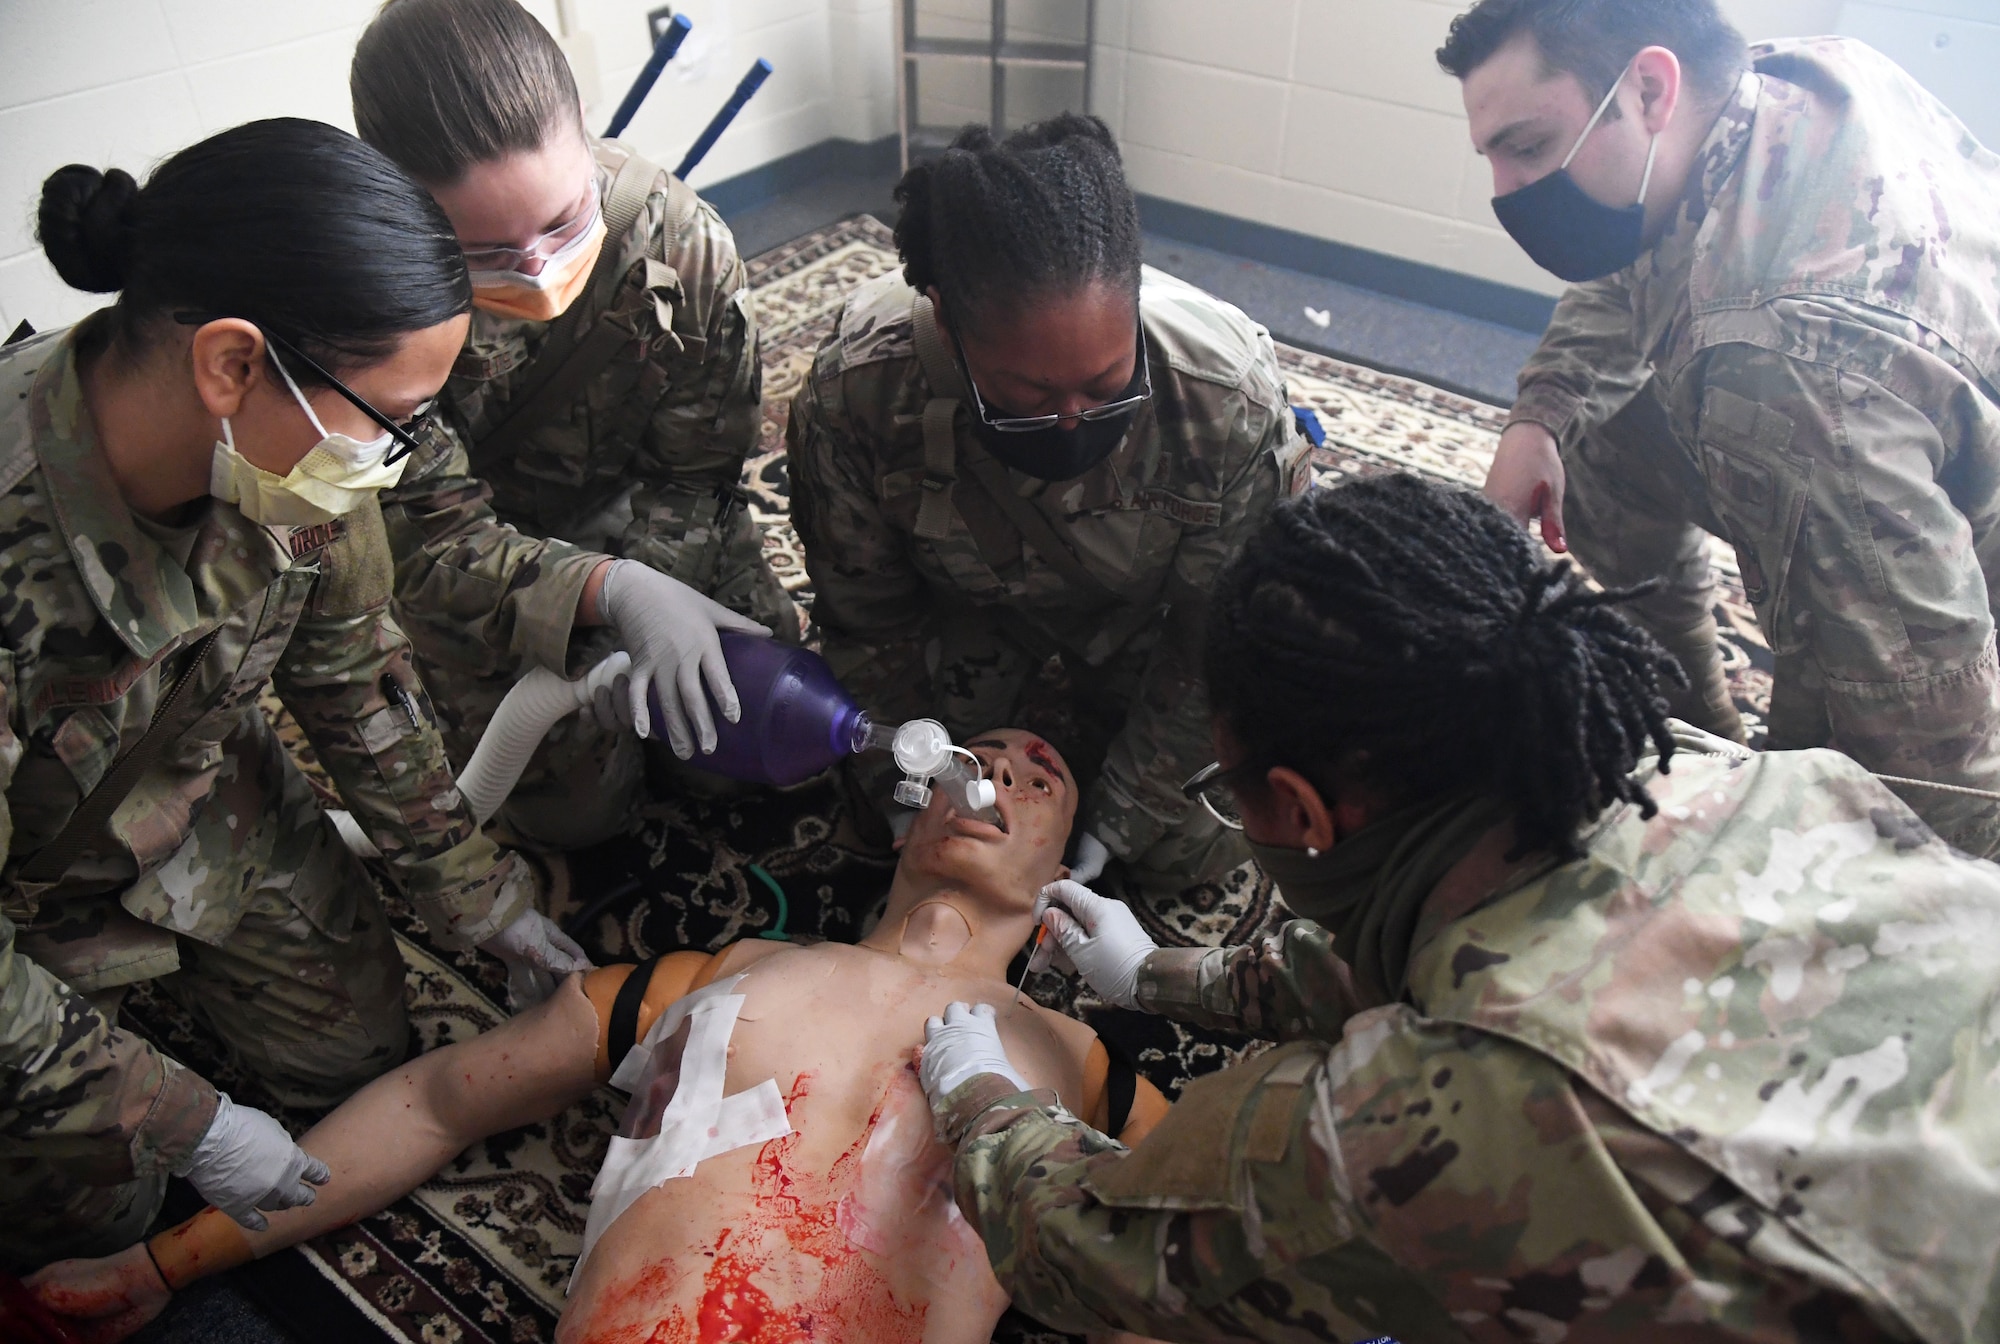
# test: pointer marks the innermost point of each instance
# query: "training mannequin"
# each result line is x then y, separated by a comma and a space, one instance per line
847, 1220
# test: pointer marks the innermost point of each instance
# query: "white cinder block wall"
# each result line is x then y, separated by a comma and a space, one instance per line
1327, 117
123, 83
1331, 118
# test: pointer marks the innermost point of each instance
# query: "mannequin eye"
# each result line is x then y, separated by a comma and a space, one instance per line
1043, 785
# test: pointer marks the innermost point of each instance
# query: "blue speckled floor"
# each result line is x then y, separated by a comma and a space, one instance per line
1450, 350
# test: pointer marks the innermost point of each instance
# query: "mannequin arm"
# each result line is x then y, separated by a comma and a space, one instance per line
436, 1106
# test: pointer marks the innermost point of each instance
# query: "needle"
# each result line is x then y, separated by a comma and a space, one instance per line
1041, 932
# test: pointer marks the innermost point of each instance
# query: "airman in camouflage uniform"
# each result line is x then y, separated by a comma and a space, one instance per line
1731, 1074
1808, 364
950, 621
219, 875
492, 551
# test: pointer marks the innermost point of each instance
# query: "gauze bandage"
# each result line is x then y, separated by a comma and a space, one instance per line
678, 1116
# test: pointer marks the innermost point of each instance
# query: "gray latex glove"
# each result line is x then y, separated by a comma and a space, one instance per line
1099, 937
669, 629
963, 1044
247, 1162
538, 955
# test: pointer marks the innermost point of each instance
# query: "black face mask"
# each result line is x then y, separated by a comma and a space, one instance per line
1057, 454
1564, 231
1054, 453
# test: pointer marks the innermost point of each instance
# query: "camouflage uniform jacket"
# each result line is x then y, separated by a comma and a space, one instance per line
95, 620
491, 560
1203, 462
1821, 323
1730, 1075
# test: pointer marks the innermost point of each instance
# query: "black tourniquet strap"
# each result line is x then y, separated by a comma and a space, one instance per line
1121, 1084
625, 1012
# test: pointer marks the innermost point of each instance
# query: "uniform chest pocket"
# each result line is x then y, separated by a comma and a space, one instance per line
1757, 489
235, 671
962, 560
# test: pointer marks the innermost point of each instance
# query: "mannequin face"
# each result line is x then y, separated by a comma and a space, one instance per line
1060, 356
518, 198
1004, 865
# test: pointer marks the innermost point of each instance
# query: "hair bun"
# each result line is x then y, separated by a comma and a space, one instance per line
85, 225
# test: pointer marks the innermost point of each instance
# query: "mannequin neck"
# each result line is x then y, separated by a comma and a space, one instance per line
952, 929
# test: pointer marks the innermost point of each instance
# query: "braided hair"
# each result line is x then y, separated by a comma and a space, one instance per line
996, 224
1410, 639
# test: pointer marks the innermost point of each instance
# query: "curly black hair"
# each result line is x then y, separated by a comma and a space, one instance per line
1411, 639
998, 223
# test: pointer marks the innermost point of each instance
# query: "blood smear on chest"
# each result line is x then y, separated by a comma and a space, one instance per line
795, 1214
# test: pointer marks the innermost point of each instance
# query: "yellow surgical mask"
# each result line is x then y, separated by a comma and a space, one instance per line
544, 297
334, 478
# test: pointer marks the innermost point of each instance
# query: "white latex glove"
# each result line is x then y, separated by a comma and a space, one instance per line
538, 955
963, 1044
1091, 856
669, 629
1099, 936
246, 1162
609, 687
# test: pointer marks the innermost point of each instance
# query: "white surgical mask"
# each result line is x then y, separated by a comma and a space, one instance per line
334, 478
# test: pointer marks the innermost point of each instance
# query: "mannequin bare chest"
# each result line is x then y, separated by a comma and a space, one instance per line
845, 1229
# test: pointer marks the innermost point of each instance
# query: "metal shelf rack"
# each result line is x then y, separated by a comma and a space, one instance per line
998, 51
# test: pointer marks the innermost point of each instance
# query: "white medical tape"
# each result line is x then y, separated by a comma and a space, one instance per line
697, 1123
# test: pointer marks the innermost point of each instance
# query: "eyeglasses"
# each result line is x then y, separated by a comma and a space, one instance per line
1028, 424
1216, 790
544, 248
404, 432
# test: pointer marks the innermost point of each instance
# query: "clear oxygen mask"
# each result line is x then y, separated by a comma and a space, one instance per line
930, 761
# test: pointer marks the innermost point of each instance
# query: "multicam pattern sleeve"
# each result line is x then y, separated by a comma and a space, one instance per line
74, 1087
1413, 1179
1587, 365
78, 1090
1288, 985
493, 597
346, 676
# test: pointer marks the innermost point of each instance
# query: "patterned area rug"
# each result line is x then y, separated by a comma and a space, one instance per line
480, 1254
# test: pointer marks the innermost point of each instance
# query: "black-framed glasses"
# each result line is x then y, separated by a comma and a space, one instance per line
1215, 788
405, 433
1028, 424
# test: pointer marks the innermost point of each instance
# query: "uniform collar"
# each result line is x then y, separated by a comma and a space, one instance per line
141, 592
1661, 275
